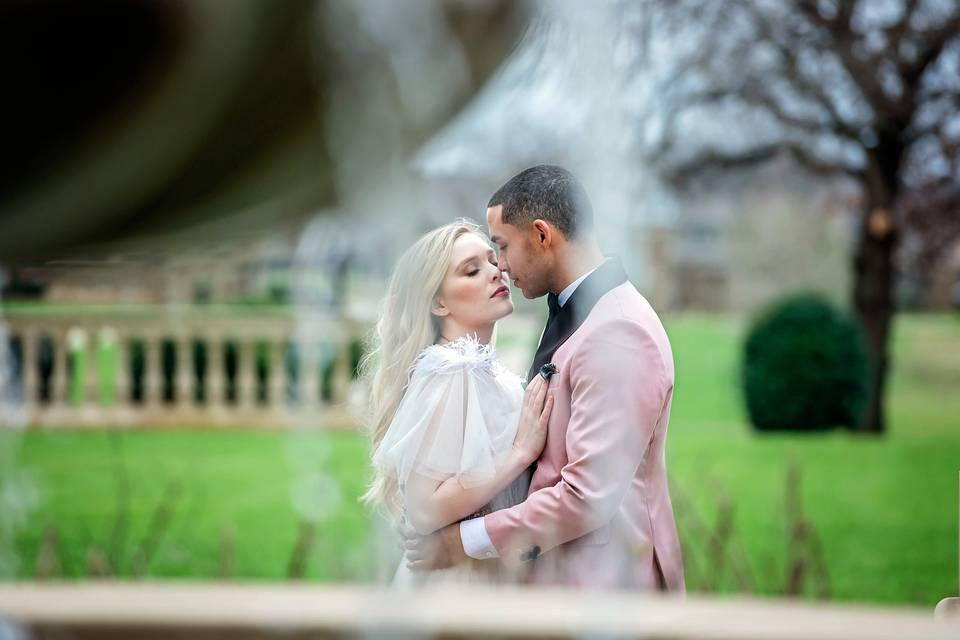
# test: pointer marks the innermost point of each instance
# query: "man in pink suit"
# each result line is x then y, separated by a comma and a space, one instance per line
598, 513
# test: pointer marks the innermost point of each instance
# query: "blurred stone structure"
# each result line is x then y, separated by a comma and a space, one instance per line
195, 365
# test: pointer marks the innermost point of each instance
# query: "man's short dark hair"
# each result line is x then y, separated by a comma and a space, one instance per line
547, 192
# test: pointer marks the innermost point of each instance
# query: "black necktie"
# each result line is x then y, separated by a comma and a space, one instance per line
551, 333
553, 304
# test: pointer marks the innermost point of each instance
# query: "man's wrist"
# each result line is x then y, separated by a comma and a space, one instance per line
450, 535
476, 541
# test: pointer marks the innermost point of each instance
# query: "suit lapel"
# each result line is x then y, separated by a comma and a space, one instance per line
571, 315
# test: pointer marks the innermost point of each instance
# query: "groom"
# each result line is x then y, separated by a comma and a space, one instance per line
598, 512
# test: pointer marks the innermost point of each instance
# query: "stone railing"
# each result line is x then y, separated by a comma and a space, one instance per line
181, 365
208, 610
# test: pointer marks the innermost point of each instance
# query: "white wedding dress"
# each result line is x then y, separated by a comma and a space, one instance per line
458, 418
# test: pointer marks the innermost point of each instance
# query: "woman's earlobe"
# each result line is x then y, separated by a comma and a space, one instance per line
438, 309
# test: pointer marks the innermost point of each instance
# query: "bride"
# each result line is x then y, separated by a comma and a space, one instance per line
454, 433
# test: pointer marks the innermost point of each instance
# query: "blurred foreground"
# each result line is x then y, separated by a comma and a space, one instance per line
246, 611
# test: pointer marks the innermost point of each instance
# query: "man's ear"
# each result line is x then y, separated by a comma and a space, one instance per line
542, 233
438, 309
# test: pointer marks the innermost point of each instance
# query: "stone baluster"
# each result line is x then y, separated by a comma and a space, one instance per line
246, 372
184, 371
152, 371
276, 390
309, 374
29, 371
91, 377
59, 376
341, 369
216, 373
123, 381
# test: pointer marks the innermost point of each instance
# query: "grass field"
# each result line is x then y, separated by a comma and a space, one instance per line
884, 510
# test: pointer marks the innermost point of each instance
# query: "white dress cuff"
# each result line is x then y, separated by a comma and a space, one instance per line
476, 541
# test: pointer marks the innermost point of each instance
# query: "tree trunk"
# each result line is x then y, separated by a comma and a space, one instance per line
873, 284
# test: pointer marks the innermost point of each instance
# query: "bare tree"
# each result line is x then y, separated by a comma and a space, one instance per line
868, 89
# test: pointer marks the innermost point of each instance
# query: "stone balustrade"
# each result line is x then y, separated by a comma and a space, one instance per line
181, 365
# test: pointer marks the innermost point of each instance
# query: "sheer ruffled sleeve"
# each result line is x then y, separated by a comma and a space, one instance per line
448, 424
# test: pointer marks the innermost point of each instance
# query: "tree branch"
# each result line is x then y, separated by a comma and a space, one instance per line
896, 32
862, 74
724, 160
794, 74
936, 40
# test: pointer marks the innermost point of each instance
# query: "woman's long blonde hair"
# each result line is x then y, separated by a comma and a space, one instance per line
406, 327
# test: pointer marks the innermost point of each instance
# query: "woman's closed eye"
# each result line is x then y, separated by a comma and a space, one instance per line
476, 271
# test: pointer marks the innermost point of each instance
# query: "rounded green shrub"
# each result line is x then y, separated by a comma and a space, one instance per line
805, 367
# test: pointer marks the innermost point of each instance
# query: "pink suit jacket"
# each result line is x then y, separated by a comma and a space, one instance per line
598, 513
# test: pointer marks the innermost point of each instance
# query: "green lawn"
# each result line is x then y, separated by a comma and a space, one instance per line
884, 510
252, 487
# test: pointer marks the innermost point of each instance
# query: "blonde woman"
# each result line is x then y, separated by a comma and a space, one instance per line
454, 433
